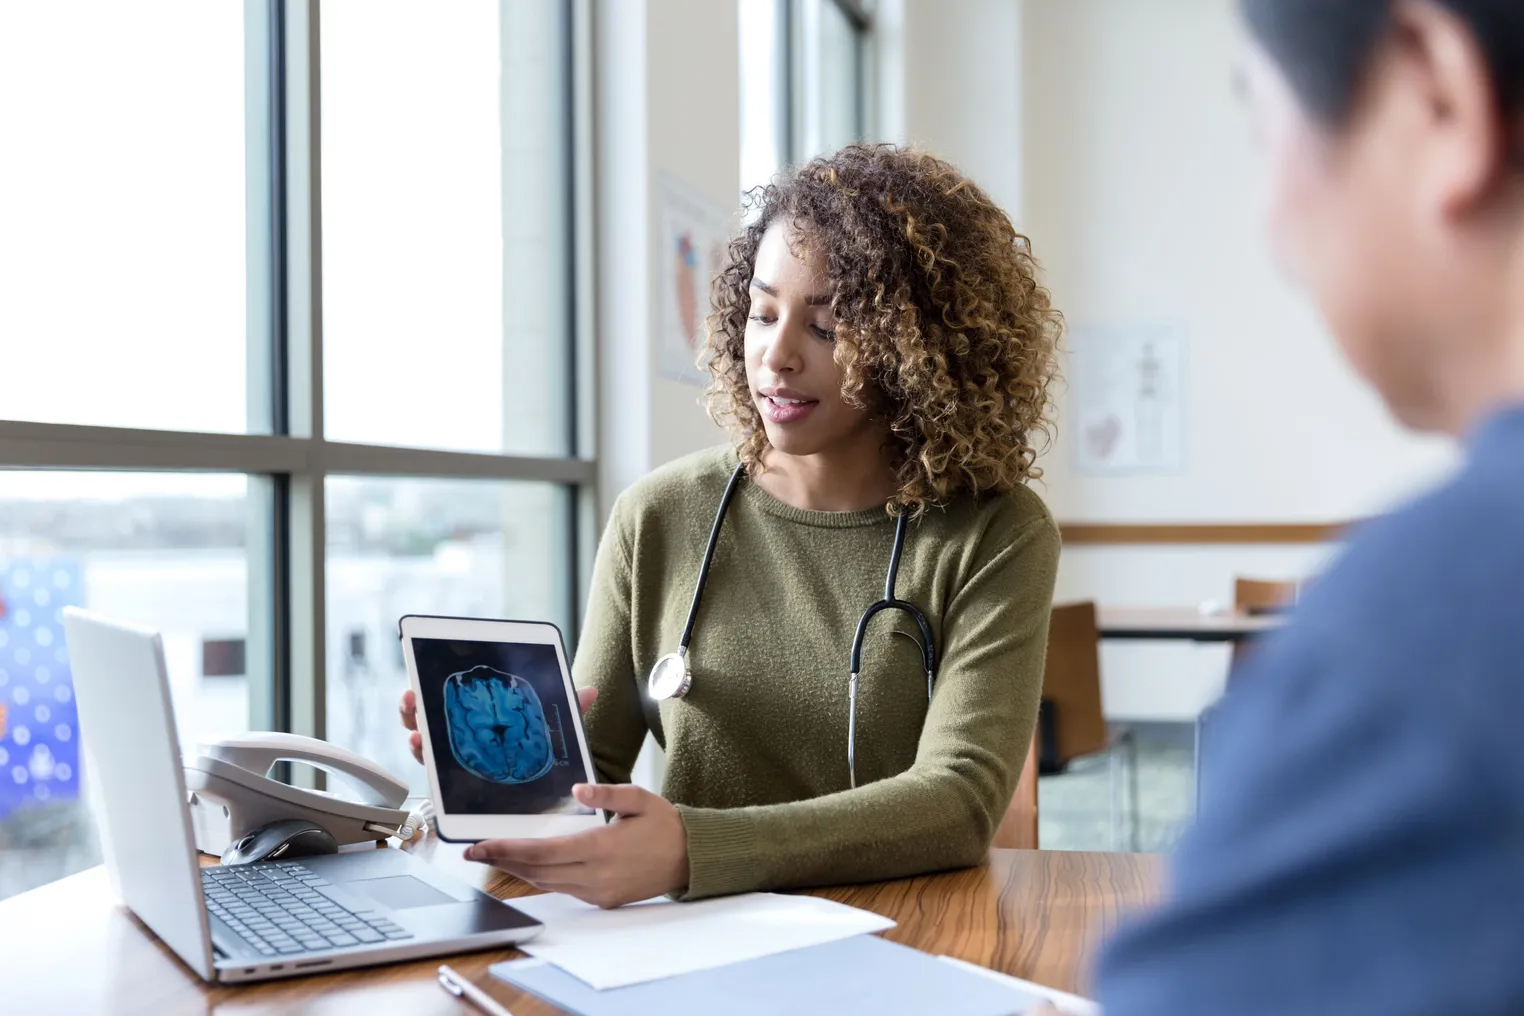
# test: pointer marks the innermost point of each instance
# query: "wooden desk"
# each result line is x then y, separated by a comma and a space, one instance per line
69, 948
1183, 624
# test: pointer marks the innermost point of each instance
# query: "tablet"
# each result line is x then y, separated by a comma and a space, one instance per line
502, 737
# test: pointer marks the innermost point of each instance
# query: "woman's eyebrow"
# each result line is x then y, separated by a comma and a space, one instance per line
817, 300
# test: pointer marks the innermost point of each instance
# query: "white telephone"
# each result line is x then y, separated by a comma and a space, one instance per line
231, 793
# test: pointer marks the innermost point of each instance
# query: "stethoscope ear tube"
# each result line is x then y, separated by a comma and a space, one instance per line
703, 575
670, 678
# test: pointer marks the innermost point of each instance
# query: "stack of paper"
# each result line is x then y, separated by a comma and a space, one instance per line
655, 939
747, 956
861, 975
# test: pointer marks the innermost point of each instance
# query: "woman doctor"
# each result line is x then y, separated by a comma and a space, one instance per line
882, 353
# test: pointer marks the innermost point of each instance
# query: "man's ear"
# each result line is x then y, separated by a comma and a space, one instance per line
1472, 147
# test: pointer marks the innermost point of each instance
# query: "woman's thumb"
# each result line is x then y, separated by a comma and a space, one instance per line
585, 699
619, 798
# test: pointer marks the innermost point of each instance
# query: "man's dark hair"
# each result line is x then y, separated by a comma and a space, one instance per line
1324, 47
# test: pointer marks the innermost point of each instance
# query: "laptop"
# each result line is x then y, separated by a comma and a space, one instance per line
250, 922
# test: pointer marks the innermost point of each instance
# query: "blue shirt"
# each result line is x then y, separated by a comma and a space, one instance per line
1360, 842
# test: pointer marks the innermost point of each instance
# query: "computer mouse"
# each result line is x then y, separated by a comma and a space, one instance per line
279, 841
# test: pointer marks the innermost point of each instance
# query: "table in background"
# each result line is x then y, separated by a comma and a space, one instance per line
1184, 624
70, 948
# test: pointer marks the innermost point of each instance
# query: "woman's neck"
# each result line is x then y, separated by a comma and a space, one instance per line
840, 481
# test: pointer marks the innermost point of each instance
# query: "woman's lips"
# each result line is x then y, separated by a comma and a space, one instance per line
780, 410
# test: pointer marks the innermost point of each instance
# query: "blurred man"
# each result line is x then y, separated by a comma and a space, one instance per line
1360, 847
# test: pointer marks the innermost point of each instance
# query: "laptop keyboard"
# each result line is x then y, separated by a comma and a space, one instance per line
277, 909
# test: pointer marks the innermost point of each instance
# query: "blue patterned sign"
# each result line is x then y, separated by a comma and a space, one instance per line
39, 729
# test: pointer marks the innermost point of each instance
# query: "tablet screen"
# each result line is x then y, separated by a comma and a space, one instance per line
500, 726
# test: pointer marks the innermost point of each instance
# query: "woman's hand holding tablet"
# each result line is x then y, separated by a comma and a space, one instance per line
642, 853
493, 723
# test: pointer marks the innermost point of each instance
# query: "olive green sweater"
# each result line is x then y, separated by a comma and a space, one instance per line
756, 752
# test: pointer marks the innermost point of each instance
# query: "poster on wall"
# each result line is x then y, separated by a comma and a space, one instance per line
1127, 392
694, 234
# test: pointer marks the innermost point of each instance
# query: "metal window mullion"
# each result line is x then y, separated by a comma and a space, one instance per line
789, 125
856, 13
381, 460
306, 646
868, 106
860, 31
583, 292
264, 284
24, 444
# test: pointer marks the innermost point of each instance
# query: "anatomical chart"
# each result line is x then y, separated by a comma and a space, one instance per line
694, 234
1127, 395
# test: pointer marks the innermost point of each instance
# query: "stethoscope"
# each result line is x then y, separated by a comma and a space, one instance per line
671, 678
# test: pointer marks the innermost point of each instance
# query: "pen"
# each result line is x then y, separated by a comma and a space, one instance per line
461, 988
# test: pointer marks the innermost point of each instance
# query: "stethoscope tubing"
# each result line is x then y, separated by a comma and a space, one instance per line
703, 575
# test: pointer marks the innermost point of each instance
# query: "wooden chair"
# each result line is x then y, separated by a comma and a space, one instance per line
1257, 595
1071, 687
1018, 827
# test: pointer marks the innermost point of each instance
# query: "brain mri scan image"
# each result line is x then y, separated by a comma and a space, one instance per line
502, 727
498, 729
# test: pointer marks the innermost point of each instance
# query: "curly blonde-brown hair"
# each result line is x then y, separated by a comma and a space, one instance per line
942, 329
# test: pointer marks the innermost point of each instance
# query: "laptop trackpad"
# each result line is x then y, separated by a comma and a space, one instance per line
400, 892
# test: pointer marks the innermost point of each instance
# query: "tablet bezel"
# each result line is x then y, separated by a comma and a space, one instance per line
458, 828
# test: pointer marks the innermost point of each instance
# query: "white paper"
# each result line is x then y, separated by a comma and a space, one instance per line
658, 938
1071, 1005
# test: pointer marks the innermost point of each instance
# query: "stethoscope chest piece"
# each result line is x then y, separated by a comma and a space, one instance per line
670, 678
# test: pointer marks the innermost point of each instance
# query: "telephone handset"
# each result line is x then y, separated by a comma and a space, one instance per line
232, 794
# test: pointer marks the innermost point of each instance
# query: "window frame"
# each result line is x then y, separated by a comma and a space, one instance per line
285, 456
796, 99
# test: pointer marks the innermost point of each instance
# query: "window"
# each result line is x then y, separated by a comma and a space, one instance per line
828, 75
122, 195
765, 118
279, 361
804, 71
445, 225
165, 550
462, 548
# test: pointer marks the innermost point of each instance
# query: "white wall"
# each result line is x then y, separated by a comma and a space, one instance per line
958, 93
668, 95
1110, 130
1141, 197
667, 90
695, 131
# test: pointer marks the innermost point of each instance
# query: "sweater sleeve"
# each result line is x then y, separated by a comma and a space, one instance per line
615, 725
942, 812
